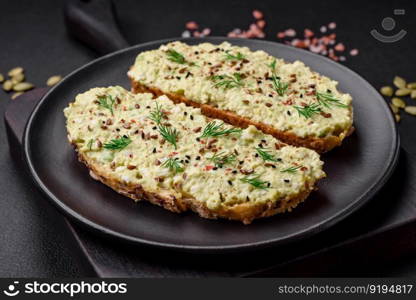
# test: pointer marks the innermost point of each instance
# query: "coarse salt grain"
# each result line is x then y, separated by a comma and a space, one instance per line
186, 34
323, 29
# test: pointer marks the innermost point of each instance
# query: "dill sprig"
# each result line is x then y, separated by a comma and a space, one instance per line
173, 165
213, 129
238, 56
328, 99
221, 159
175, 56
255, 181
106, 101
291, 170
308, 111
227, 81
89, 145
118, 144
265, 155
157, 114
280, 87
169, 134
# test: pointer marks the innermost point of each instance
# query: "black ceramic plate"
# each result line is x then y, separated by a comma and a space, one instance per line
356, 171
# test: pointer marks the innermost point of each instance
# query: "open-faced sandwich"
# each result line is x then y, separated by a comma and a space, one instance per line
174, 156
243, 88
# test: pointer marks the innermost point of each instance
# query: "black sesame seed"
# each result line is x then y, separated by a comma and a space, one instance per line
117, 129
287, 180
328, 91
198, 139
230, 182
278, 159
185, 113
241, 162
181, 161
178, 77
148, 107
263, 141
234, 172
187, 156
301, 95
273, 166
268, 184
256, 155
215, 168
154, 150
270, 95
154, 127
288, 113
186, 161
191, 116
198, 157
260, 145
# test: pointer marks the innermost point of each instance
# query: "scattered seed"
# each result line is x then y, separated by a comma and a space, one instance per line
403, 92
332, 25
399, 82
398, 102
15, 95
397, 117
13, 72
413, 95
394, 109
386, 91
410, 110
23, 86
18, 78
354, 52
7, 85
411, 85
1, 77
53, 80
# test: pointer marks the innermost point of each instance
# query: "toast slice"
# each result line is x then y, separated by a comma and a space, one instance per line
243, 88
174, 156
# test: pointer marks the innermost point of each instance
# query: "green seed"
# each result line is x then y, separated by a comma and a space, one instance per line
13, 72
386, 91
403, 92
1, 77
398, 102
413, 95
18, 78
23, 86
53, 80
15, 95
411, 85
410, 110
399, 82
394, 109
397, 117
7, 85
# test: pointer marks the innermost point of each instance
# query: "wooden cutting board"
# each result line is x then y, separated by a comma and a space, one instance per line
382, 231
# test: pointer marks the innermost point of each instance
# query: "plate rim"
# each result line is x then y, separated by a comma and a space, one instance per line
299, 235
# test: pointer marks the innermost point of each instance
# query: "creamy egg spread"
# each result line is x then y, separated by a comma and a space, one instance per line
252, 84
167, 147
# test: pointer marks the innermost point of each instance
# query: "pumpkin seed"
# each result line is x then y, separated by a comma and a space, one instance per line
394, 109
18, 78
13, 72
7, 85
386, 91
15, 95
397, 117
399, 82
410, 110
23, 86
53, 80
411, 85
1, 77
399, 103
413, 95
403, 92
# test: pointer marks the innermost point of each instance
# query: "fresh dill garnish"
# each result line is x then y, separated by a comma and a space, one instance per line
89, 145
265, 155
106, 101
175, 56
173, 165
213, 129
255, 181
157, 114
279, 87
221, 159
309, 110
227, 81
328, 99
118, 144
291, 170
238, 56
169, 134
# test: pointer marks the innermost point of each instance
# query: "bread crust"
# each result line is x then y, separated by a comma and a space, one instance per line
320, 145
245, 212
